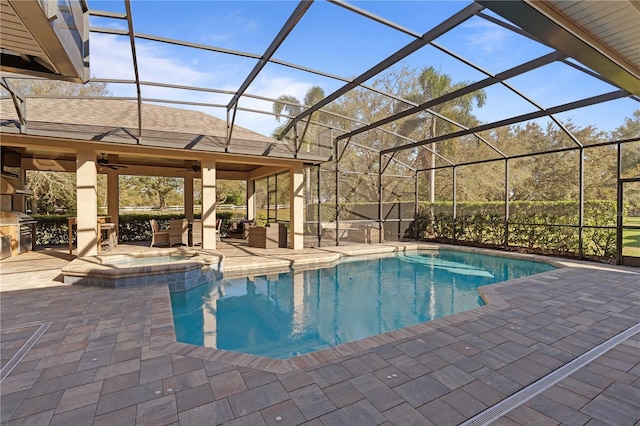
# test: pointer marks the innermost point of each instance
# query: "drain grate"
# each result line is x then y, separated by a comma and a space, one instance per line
517, 399
17, 357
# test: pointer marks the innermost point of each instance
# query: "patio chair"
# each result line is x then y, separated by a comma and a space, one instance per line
196, 233
179, 232
245, 224
158, 236
108, 239
218, 226
272, 235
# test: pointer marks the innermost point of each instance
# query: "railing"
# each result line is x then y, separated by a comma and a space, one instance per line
176, 208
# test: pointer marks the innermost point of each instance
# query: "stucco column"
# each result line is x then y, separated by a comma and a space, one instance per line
113, 197
296, 207
19, 201
188, 198
251, 199
87, 200
208, 204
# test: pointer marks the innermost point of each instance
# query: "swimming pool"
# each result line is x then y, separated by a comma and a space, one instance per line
288, 314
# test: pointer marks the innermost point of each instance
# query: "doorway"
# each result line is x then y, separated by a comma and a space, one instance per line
629, 222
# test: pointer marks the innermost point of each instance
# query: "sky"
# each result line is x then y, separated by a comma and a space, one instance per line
333, 40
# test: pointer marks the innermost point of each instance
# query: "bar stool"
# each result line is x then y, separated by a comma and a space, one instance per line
108, 236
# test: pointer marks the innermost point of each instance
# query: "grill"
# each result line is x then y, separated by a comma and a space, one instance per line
21, 228
8, 218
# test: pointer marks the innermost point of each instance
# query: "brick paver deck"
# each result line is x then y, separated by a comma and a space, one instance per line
109, 357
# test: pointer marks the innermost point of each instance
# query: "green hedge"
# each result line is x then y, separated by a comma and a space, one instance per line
54, 230
360, 211
537, 226
136, 227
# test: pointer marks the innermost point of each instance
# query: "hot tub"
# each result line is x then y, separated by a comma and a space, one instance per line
180, 269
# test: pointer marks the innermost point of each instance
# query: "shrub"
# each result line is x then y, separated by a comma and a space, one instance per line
536, 226
54, 229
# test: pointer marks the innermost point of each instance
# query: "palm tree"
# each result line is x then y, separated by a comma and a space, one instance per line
291, 106
287, 104
432, 86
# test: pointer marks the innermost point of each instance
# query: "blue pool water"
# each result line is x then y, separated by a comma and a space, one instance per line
288, 314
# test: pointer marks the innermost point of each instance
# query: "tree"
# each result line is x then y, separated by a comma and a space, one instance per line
433, 85
234, 191
360, 154
541, 177
630, 129
159, 187
292, 106
52, 191
54, 88
630, 151
367, 106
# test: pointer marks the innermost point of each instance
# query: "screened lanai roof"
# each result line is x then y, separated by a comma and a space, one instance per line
552, 63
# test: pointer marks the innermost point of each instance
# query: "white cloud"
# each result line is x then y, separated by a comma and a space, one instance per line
277, 86
156, 64
486, 36
235, 24
111, 58
242, 22
116, 26
271, 87
262, 86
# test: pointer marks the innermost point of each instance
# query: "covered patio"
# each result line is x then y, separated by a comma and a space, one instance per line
176, 145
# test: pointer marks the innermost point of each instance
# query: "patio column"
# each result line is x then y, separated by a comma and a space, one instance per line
87, 200
18, 202
251, 199
209, 204
188, 198
113, 197
296, 207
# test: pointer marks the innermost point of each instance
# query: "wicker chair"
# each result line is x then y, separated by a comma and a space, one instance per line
273, 235
158, 236
178, 232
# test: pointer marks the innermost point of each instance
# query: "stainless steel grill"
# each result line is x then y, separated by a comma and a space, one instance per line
23, 234
8, 218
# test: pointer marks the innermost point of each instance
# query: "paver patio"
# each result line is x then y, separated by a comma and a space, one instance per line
109, 357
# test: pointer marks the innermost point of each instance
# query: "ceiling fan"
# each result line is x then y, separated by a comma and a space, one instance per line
195, 167
103, 161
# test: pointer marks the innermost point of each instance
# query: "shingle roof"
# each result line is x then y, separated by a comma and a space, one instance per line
113, 120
